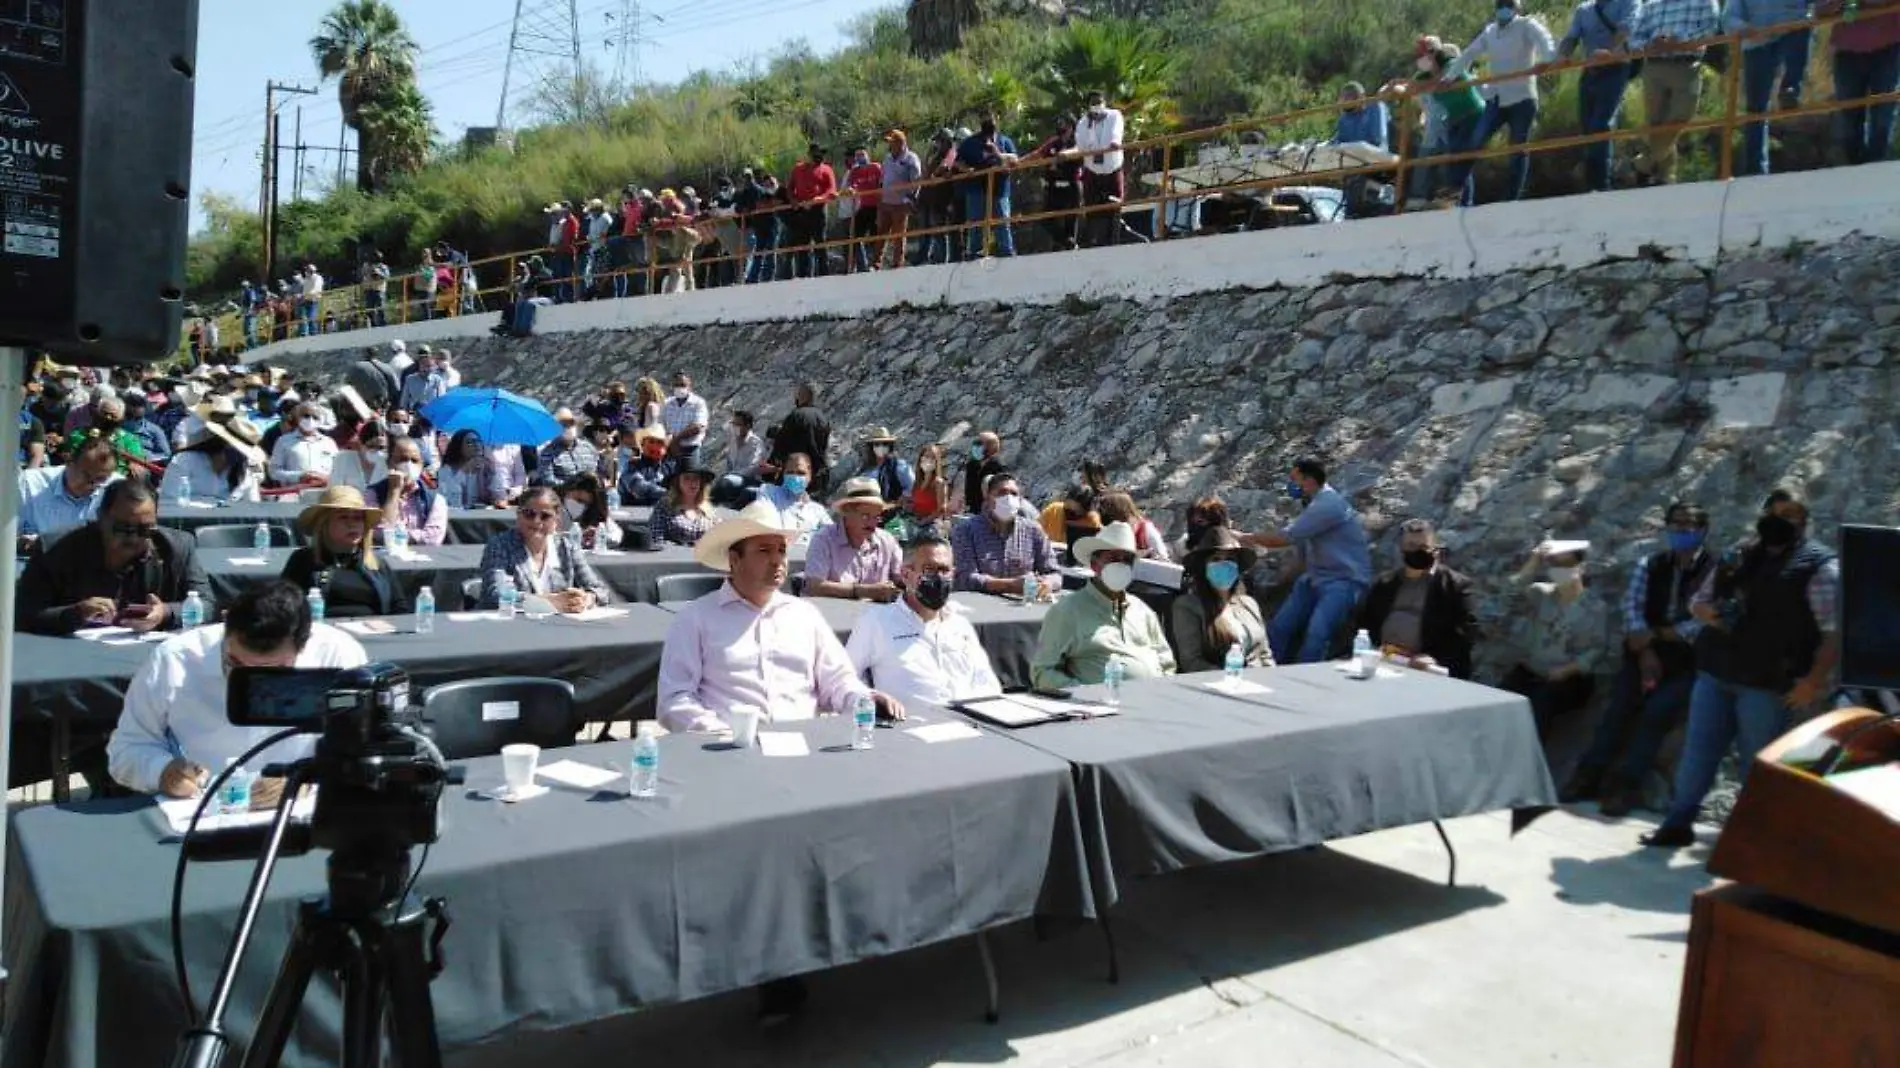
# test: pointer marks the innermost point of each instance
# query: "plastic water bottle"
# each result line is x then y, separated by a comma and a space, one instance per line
864, 723
507, 599
315, 600
643, 776
192, 612
1032, 589
1361, 643
1112, 675
1236, 661
425, 611
398, 538
236, 795
184, 488
260, 538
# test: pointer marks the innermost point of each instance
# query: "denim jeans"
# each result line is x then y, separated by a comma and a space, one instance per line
1599, 100
1866, 133
1784, 58
973, 198
562, 265
1461, 136
1518, 117
760, 266
1309, 617
1720, 713
1643, 719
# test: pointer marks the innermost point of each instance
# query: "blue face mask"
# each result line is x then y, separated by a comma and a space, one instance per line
976, 452
1294, 490
1222, 574
1505, 15
795, 484
1685, 541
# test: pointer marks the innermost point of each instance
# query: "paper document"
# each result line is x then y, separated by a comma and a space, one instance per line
944, 732
574, 773
408, 556
471, 617
1236, 687
118, 636
368, 626
178, 814
247, 561
597, 613
783, 744
1021, 709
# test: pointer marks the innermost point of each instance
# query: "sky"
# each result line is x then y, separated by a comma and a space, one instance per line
463, 43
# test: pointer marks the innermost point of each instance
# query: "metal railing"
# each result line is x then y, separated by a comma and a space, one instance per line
404, 303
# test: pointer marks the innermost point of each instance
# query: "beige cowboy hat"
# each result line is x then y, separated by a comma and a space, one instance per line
879, 435
861, 493
1214, 540
218, 408
646, 434
757, 520
1115, 537
338, 499
238, 434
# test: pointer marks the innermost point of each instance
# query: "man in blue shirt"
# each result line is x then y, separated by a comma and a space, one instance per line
981, 152
1338, 561
156, 441
1361, 121
1599, 29
1767, 58
54, 500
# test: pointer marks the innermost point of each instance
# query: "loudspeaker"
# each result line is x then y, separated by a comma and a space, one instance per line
1870, 608
95, 175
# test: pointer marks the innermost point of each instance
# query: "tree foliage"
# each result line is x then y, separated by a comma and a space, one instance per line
365, 47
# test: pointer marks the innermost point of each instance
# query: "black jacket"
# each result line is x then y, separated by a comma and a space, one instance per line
1448, 628
72, 569
348, 592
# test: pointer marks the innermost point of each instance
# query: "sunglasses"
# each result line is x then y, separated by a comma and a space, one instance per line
536, 513
140, 532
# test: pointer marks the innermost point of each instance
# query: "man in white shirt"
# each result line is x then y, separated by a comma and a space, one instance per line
748, 643
921, 648
305, 454
685, 416
1098, 138
174, 733
451, 378
312, 297
1515, 43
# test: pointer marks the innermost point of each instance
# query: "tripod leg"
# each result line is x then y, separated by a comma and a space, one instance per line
411, 1013
363, 987
308, 947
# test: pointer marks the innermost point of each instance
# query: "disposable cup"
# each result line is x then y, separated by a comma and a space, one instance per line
745, 725
517, 766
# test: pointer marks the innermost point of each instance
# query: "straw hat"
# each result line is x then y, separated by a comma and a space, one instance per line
596, 204
861, 493
1115, 537
338, 499
237, 434
1213, 540
218, 408
879, 435
646, 434
757, 520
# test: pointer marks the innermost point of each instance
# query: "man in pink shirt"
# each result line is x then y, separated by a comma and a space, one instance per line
747, 643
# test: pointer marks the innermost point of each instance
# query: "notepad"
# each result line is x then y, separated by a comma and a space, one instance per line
472, 617
178, 814
944, 732
598, 613
1236, 687
247, 561
574, 773
783, 744
408, 556
368, 626
119, 636
1022, 710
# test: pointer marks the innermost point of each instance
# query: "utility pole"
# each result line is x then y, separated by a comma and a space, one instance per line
296, 175
546, 44
267, 188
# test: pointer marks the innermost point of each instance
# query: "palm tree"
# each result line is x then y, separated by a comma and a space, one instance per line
362, 44
395, 133
1129, 63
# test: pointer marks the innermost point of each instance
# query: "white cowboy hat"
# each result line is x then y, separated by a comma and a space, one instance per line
221, 406
757, 520
398, 345
861, 493
1116, 537
238, 435
1563, 548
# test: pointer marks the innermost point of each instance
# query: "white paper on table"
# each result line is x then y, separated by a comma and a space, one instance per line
574, 773
472, 617
536, 605
407, 556
368, 626
783, 744
944, 732
597, 612
1350, 669
178, 814
607, 552
104, 634
1050, 706
247, 561
1236, 687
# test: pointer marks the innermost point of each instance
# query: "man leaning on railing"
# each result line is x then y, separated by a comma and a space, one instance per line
1599, 29
1672, 82
1866, 48
1767, 58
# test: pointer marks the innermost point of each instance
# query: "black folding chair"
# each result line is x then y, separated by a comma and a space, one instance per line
687, 587
241, 535
476, 717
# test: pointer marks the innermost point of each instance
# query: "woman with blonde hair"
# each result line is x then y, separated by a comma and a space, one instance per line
1120, 508
340, 561
648, 399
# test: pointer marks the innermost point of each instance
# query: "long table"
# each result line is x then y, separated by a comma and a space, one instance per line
571, 907
1183, 776
632, 575
467, 526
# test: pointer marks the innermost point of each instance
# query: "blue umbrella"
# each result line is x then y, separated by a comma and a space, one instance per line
498, 416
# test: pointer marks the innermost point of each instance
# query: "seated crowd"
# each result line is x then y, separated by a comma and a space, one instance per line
1733, 642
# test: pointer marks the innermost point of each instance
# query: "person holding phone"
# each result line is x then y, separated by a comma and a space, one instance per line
122, 569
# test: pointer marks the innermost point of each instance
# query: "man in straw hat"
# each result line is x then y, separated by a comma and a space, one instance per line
173, 733
643, 481
1100, 621
748, 644
852, 558
878, 459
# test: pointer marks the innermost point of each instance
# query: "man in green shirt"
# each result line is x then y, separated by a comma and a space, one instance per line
1100, 621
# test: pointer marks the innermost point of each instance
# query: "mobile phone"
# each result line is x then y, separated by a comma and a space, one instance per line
135, 611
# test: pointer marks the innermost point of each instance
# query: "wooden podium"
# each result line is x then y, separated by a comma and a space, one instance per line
1795, 963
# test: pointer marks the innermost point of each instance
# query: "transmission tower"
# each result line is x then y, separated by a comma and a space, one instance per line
545, 43
623, 36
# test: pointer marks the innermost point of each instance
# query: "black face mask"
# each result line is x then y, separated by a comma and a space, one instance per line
1777, 532
1419, 559
933, 591
989, 129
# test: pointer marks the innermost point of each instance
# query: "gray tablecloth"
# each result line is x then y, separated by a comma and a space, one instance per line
574, 906
1184, 777
631, 575
467, 526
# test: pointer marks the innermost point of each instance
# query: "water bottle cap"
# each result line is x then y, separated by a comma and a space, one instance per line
647, 728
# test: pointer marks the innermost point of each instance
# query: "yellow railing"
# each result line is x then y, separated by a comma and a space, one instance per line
348, 308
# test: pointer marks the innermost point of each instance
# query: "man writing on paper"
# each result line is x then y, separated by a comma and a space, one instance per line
122, 568
174, 734
1100, 621
747, 643
921, 648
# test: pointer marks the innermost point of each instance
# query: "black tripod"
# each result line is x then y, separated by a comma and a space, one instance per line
368, 933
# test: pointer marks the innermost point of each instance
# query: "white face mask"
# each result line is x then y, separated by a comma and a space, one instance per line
1425, 66
574, 509
880, 451
1118, 576
1005, 507
400, 430
410, 470
736, 431
926, 466
1098, 111
569, 435
308, 424
1563, 575
682, 392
